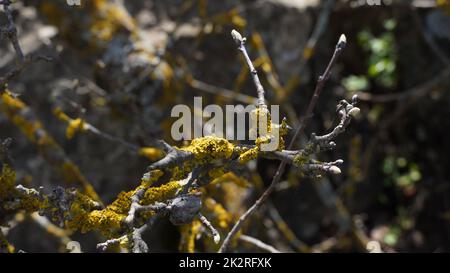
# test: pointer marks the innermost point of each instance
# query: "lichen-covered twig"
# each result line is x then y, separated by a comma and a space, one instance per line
322, 79
172, 158
136, 207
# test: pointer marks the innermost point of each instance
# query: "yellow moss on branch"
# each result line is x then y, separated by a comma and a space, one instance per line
210, 148
13, 107
217, 214
74, 125
7, 181
151, 153
161, 193
231, 177
8, 192
230, 190
14, 103
189, 234
248, 155
261, 117
109, 220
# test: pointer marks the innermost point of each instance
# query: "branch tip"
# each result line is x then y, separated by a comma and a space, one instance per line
342, 41
237, 37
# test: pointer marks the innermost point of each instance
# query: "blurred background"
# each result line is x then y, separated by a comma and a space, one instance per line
122, 65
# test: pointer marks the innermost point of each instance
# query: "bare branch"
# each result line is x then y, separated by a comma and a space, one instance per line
207, 223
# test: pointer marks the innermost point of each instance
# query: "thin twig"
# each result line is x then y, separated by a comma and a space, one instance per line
207, 223
10, 31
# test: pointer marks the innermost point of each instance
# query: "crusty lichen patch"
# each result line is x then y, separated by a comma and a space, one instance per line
209, 148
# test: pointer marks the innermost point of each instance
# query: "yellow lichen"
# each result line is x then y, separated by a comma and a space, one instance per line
110, 219
151, 153
61, 115
12, 106
151, 177
161, 193
74, 125
71, 174
225, 18
260, 117
308, 52
209, 148
248, 155
230, 190
14, 103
